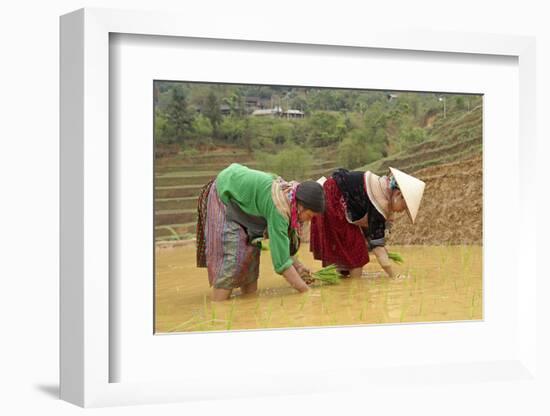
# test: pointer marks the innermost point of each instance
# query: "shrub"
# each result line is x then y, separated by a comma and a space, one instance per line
281, 132
164, 132
460, 103
293, 163
202, 128
358, 149
325, 128
232, 129
189, 152
413, 136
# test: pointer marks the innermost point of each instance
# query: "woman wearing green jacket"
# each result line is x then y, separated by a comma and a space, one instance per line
236, 211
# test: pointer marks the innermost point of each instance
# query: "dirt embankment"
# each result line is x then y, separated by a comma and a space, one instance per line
451, 209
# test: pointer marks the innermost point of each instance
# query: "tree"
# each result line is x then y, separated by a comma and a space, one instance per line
231, 129
281, 132
179, 116
202, 130
212, 111
163, 131
459, 102
325, 128
236, 105
247, 137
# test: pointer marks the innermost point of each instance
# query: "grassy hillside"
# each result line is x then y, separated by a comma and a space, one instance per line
445, 142
451, 164
179, 179
449, 140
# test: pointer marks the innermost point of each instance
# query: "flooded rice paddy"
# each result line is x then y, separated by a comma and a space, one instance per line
442, 283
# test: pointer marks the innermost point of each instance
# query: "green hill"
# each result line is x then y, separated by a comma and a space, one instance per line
455, 138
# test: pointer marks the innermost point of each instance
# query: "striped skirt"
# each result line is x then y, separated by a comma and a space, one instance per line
230, 260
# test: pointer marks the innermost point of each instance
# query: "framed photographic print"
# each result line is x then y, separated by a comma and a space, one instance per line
165, 131
208, 131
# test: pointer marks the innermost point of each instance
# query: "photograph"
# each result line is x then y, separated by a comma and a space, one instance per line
279, 206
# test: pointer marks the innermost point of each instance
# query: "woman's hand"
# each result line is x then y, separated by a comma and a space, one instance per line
304, 273
308, 280
302, 270
381, 253
295, 280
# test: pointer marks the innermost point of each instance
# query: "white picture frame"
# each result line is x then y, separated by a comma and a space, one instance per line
86, 356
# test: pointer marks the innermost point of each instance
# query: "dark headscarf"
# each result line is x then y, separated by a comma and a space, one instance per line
311, 195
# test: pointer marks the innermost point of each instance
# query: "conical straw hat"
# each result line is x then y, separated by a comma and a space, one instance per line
412, 190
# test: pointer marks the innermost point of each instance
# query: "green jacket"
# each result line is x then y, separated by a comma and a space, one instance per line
251, 190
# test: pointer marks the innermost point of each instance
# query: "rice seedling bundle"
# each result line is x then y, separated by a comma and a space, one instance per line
328, 275
395, 257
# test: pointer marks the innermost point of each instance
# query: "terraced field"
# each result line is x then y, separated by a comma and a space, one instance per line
451, 164
451, 212
438, 161
450, 140
179, 179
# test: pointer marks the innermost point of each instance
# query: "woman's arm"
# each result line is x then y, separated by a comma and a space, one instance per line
294, 279
382, 257
301, 268
376, 236
279, 245
303, 271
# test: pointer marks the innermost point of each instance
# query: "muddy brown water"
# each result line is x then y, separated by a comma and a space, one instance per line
443, 283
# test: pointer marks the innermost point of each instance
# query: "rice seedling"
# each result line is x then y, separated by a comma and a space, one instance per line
302, 303
268, 314
182, 325
351, 294
205, 307
324, 308
466, 255
385, 308
264, 317
404, 308
364, 308
472, 306
328, 275
206, 325
231, 312
213, 310
395, 257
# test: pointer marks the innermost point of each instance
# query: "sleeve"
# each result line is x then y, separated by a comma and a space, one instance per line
376, 230
279, 243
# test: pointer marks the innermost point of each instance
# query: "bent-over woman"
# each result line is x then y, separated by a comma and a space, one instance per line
236, 211
359, 207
